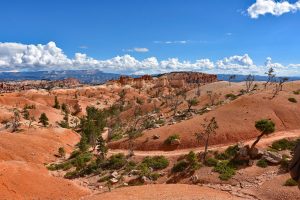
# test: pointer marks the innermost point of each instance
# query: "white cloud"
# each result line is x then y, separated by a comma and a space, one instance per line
173, 42
83, 47
137, 49
237, 64
141, 50
262, 7
21, 57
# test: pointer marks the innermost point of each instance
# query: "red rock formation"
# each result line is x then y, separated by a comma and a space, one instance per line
11, 86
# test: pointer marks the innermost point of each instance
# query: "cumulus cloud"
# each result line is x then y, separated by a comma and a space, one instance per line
238, 64
21, 57
262, 7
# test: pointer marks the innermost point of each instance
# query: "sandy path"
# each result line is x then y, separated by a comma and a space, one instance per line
164, 192
267, 140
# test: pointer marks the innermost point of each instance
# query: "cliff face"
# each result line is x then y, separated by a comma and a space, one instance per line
182, 79
174, 79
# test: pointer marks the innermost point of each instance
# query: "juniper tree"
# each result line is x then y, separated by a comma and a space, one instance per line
192, 102
44, 120
266, 127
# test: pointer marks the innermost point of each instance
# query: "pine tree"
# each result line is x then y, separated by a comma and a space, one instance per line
83, 144
44, 120
101, 147
56, 103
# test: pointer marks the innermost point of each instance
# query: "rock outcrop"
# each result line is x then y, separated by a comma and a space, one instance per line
12, 86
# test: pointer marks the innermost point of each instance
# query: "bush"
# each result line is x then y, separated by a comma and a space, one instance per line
230, 96
61, 166
154, 176
211, 162
171, 138
193, 161
71, 175
180, 166
74, 154
116, 161
290, 182
293, 100
62, 152
225, 171
296, 92
284, 164
283, 144
232, 150
156, 162
222, 156
262, 163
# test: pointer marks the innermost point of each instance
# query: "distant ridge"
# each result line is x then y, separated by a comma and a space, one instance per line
96, 76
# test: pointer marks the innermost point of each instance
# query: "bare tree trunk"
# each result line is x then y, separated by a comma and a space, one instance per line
205, 149
256, 141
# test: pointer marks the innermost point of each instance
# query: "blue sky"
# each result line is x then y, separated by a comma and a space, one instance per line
187, 30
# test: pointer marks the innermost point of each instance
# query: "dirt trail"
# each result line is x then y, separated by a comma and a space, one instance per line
263, 143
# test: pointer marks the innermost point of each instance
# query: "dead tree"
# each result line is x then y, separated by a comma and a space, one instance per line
209, 129
134, 129
212, 97
249, 83
271, 76
16, 121
279, 86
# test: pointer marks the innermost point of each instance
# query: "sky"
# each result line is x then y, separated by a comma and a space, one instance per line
151, 36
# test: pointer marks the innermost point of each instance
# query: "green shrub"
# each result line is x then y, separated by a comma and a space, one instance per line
225, 170
230, 96
180, 166
61, 151
193, 161
283, 144
292, 99
116, 161
71, 175
290, 182
154, 176
284, 164
296, 92
222, 156
74, 154
262, 163
211, 162
232, 150
148, 124
171, 138
130, 166
156, 162
61, 166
